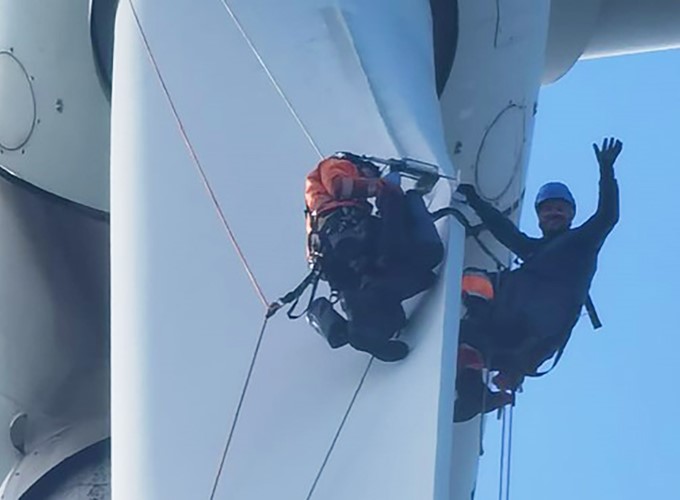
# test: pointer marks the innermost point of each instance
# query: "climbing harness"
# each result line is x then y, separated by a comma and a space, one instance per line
312, 279
344, 224
473, 231
327, 233
331, 230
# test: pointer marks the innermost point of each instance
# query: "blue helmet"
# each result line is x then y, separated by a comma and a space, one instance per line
552, 191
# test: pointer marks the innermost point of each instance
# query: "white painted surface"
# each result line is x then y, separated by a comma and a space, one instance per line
360, 77
631, 26
63, 145
185, 317
54, 323
489, 126
601, 28
572, 23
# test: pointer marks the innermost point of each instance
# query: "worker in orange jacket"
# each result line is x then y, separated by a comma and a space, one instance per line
372, 262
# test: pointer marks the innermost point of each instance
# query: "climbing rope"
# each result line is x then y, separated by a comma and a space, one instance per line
340, 427
482, 418
196, 161
220, 213
206, 183
246, 383
506, 454
271, 77
501, 468
508, 474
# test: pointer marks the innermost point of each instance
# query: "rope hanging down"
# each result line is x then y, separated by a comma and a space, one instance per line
201, 171
196, 161
230, 234
506, 455
270, 75
237, 414
340, 427
222, 217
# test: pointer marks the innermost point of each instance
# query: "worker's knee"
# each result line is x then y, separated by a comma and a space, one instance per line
373, 310
327, 322
410, 284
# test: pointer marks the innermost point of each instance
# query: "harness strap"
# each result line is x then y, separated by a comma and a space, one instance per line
294, 295
474, 231
315, 285
470, 230
592, 313
556, 359
594, 319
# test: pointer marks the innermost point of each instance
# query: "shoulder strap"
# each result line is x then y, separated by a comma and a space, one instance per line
556, 358
592, 313
294, 295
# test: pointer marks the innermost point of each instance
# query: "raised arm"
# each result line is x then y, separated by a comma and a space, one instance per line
503, 229
607, 214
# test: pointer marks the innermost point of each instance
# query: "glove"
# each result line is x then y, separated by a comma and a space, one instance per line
386, 187
393, 178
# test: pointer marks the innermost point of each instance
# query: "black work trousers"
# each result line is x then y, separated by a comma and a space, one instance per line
403, 249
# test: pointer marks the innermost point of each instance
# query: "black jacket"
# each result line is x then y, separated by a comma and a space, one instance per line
539, 303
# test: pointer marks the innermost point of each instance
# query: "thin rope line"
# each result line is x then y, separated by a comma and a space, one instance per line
197, 162
498, 24
487, 378
340, 427
270, 75
502, 467
507, 476
238, 410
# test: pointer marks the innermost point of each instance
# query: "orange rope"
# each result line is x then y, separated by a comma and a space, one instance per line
198, 165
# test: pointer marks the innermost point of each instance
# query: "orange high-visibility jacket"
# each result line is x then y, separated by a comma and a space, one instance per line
338, 183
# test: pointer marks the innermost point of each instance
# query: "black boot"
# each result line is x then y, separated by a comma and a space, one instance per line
473, 396
375, 315
327, 322
389, 351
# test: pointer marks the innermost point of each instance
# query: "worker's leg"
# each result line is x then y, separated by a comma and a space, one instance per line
475, 325
423, 245
407, 246
391, 230
375, 316
474, 397
327, 322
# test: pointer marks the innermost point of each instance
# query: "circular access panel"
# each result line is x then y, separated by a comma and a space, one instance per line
17, 103
499, 158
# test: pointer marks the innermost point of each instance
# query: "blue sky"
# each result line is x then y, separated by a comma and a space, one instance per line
603, 424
